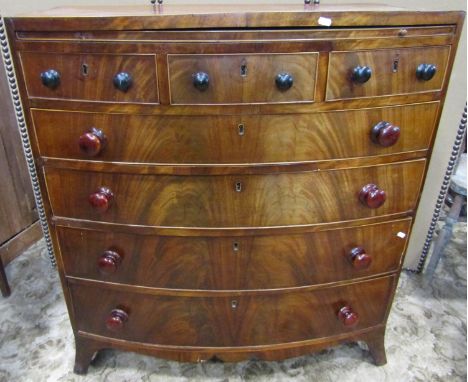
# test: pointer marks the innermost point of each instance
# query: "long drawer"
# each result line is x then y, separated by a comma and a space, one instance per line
234, 139
234, 263
232, 320
314, 197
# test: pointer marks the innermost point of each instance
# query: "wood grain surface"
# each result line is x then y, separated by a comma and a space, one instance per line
227, 85
212, 201
97, 84
385, 79
236, 263
234, 139
212, 321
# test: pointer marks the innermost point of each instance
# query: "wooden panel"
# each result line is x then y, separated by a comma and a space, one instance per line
165, 36
219, 139
236, 263
384, 80
17, 206
227, 85
96, 82
212, 201
211, 321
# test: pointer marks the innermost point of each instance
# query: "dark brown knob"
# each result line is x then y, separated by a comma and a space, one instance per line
109, 261
359, 258
361, 74
201, 81
371, 196
50, 78
347, 316
123, 81
102, 199
116, 319
92, 142
425, 72
284, 81
385, 134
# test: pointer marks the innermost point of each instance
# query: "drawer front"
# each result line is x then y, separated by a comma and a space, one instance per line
245, 320
234, 263
393, 71
233, 139
92, 77
242, 78
235, 201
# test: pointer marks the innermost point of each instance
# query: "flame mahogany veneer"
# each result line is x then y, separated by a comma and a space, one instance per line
226, 183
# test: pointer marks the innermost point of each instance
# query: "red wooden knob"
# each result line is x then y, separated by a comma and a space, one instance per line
385, 134
101, 200
347, 316
359, 258
92, 142
116, 319
109, 261
371, 196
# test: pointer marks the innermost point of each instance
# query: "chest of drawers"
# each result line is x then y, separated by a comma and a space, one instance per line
226, 183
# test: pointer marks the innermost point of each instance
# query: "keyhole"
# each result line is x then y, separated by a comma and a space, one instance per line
243, 69
235, 246
84, 69
241, 129
238, 187
234, 304
396, 61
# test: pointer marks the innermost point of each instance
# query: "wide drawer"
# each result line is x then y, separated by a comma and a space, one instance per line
235, 263
392, 72
242, 78
229, 320
93, 77
233, 139
235, 200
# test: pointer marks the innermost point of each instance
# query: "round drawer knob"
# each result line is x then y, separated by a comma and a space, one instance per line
385, 134
109, 261
50, 78
371, 196
201, 81
123, 81
116, 319
425, 72
361, 74
102, 199
284, 81
92, 142
359, 258
347, 316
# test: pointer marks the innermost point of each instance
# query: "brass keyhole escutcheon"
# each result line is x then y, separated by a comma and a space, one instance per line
243, 68
234, 304
85, 70
235, 246
241, 129
238, 186
396, 62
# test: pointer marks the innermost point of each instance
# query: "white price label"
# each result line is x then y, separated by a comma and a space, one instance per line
324, 21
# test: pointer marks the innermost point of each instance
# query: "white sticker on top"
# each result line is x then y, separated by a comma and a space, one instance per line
401, 235
325, 21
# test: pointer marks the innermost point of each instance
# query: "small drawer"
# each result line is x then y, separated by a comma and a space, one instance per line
237, 262
242, 78
91, 77
312, 197
229, 320
234, 139
383, 72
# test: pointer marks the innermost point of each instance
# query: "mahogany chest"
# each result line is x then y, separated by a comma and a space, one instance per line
231, 182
